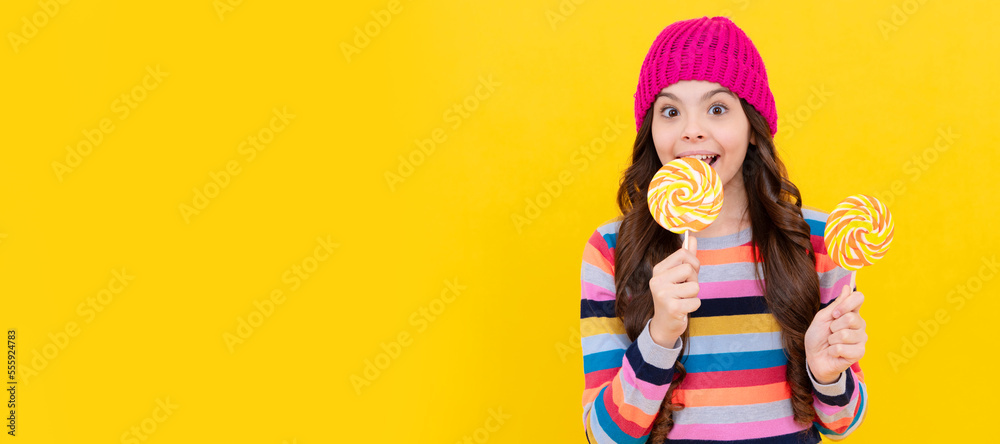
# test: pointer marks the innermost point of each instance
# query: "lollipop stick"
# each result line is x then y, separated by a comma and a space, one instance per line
685, 240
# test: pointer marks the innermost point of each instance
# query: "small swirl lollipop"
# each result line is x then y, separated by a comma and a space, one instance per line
685, 195
858, 232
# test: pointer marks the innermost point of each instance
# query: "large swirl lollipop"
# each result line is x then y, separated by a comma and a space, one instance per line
685, 195
858, 232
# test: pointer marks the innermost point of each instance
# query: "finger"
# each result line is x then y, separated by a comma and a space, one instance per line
687, 290
665, 294
678, 257
692, 244
688, 305
848, 336
829, 310
850, 352
852, 303
679, 274
849, 321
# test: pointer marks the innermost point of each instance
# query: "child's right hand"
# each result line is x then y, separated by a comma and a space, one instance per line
674, 287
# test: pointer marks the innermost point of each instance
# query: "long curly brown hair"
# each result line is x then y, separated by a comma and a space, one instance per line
783, 247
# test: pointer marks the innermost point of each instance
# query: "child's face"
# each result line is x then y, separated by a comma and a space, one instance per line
693, 117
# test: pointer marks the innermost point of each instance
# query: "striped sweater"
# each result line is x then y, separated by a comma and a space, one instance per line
735, 390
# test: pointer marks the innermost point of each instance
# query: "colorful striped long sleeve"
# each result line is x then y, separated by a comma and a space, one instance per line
841, 405
625, 383
735, 390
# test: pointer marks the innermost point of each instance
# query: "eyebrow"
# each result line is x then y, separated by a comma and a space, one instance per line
703, 98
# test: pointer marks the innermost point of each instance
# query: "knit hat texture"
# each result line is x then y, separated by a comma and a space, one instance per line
710, 49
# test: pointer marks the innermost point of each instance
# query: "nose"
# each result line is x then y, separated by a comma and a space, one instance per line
693, 131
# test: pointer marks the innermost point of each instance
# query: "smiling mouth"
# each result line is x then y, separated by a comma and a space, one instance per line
709, 159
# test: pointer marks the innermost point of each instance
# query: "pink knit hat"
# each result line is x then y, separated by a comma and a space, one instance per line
711, 49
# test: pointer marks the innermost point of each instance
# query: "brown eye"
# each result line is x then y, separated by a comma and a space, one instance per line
717, 109
669, 111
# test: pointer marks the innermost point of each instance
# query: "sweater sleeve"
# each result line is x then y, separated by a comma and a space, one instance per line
624, 382
841, 405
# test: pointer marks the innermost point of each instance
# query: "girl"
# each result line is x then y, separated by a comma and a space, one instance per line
691, 345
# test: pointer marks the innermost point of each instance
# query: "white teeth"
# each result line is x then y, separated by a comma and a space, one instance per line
702, 157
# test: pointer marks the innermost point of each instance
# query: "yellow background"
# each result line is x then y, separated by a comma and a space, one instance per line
892, 73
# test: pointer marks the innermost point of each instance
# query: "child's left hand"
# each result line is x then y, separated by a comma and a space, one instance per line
836, 338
